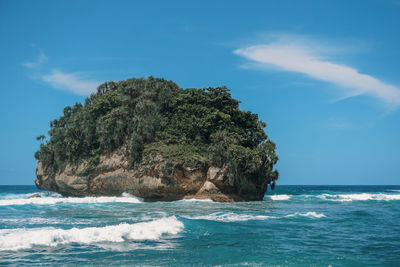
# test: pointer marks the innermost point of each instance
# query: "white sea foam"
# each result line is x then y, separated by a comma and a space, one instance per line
51, 200
33, 220
234, 217
360, 197
15, 239
230, 217
278, 197
310, 214
128, 247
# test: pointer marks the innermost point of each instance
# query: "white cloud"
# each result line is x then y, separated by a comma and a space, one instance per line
302, 57
41, 59
73, 82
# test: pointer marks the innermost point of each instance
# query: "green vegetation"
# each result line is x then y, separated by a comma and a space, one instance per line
191, 127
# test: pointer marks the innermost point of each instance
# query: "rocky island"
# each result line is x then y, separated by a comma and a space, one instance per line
152, 139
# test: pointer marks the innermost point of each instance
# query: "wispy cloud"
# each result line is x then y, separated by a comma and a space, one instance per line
38, 62
74, 82
308, 58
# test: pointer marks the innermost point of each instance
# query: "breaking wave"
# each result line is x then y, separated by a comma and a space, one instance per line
234, 217
338, 197
359, 197
16, 239
278, 197
229, 217
51, 200
310, 214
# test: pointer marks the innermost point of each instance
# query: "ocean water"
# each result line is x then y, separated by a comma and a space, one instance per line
292, 226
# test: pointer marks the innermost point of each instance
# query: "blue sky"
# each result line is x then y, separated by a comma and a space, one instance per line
323, 75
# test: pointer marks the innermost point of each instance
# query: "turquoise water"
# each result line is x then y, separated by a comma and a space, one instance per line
293, 226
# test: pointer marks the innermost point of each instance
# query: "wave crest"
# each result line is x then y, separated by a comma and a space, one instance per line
338, 197
51, 200
310, 214
360, 197
16, 239
278, 197
229, 217
234, 217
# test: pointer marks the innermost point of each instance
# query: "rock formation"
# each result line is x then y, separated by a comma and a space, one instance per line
155, 140
112, 177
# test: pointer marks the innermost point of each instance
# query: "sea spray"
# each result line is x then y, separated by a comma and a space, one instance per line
337, 197
229, 217
277, 197
51, 200
310, 214
15, 239
235, 217
359, 197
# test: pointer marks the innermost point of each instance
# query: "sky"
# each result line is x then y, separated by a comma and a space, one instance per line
323, 75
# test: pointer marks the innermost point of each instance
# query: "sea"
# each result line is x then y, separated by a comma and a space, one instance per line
292, 226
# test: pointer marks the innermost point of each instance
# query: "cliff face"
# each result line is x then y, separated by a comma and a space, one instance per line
152, 182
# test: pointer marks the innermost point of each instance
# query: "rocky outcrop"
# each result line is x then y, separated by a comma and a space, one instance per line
151, 181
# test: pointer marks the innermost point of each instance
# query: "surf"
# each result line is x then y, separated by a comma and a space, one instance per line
16, 239
277, 197
56, 199
359, 197
235, 217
